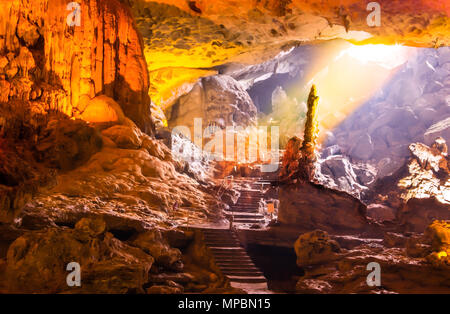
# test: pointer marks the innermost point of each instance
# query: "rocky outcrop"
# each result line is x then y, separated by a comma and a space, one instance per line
219, 101
56, 66
36, 261
182, 45
131, 183
66, 144
413, 263
311, 206
315, 248
417, 213
338, 173
404, 111
419, 189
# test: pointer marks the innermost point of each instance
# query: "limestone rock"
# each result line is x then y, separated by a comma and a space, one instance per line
311, 206
36, 261
102, 55
315, 248
102, 109
154, 244
438, 235
337, 172
124, 136
66, 143
218, 100
440, 129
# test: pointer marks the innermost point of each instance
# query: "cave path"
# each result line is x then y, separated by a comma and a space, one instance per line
223, 242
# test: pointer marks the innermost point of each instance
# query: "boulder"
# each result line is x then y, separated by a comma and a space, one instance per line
124, 136
153, 243
337, 172
311, 206
315, 248
37, 261
66, 143
102, 109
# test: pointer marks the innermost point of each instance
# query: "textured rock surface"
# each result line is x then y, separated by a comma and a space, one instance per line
315, 248
410, 263
309, 206
182, 45
57, 65
402, 112
37, 261
217, 100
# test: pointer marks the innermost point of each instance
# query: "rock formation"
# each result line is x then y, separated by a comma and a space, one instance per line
217, 100
55, 66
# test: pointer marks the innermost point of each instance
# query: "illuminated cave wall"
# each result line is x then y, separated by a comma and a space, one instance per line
62, 67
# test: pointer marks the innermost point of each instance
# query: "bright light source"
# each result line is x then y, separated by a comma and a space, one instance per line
386, 56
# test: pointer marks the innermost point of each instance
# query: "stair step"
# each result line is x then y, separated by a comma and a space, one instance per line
243, 273
230, 259
234, 264
246, 279
244, 215
247, 221
232, 254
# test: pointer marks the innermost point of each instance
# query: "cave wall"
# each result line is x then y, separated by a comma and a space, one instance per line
61, 67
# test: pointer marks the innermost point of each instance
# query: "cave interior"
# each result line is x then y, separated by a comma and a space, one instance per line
172, 146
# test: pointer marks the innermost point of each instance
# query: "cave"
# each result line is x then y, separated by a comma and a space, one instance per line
204, 147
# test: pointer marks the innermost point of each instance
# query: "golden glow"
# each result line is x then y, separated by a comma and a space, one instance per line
384, 55
353, 77
442, 254
167, 84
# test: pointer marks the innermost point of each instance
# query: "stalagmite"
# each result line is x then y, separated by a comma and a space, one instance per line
308, 156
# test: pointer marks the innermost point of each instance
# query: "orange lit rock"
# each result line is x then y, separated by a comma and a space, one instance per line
102, 109
104, 55
315, 248
36, 261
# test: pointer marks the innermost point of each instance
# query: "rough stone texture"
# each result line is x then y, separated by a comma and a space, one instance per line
338, 173
131, 188
182, 45
217, 100
310, 206
400, 273
417, 214
36, 261
440, 129
429, 175
66, 144
315, 248
154, 244
102, 56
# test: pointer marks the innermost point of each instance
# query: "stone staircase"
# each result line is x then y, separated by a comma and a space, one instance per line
246, 209
233, 260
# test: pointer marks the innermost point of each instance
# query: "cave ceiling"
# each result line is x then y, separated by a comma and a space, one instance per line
185, 40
